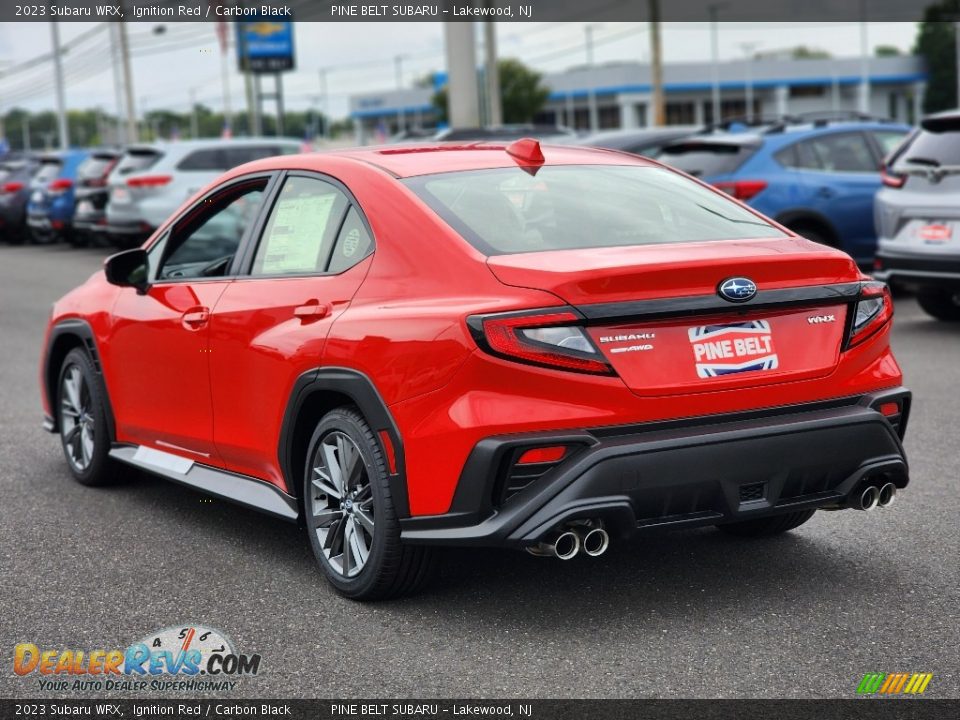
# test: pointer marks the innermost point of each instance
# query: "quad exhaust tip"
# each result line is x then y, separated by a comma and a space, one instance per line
596, 542
888, 493
869, 498
567, 545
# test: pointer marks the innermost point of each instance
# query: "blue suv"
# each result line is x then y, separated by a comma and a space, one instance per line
52, 195
817, 177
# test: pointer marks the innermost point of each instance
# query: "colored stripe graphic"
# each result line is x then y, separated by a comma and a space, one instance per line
894, 683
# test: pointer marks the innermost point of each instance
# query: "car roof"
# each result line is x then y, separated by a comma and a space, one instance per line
202, 143
430, 158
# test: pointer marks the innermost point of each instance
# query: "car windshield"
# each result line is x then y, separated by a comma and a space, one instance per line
95, 167
508, 210
49, 169
933, 149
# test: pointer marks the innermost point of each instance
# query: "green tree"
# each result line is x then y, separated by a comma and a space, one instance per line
887, 51
936, 44
802, 52
522, 95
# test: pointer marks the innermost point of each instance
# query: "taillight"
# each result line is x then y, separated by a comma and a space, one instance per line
549, 339
549, 454
872, 312
891, 179
149, 181
11, 187
742, 189
60, 185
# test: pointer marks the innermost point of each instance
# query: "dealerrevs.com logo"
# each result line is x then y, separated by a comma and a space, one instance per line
894, 683
178, 658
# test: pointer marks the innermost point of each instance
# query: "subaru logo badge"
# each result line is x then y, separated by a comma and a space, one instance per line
737, 289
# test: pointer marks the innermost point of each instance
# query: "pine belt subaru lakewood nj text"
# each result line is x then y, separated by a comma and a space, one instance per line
481, 345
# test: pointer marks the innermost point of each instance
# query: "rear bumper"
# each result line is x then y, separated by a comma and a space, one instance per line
702, 471
916, 271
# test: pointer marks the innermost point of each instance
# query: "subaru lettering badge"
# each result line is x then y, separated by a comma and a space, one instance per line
737, 289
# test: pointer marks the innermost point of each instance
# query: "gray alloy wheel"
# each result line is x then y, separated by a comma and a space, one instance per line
342, 504
81, 407
77, 423
350, 516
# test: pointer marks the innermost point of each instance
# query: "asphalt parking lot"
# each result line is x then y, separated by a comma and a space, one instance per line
689, 614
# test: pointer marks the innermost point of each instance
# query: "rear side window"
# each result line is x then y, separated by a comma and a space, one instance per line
839, 152
353, 243
302, 227
225, 158
137, 160
703, 159
564, 207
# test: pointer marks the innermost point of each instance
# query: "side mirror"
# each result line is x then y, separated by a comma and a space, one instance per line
129, 268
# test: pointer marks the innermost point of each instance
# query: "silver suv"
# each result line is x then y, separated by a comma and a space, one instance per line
917, 214
152, 180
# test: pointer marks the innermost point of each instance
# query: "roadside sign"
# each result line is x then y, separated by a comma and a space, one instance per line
265, 45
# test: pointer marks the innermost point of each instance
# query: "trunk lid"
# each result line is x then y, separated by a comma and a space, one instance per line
685, 341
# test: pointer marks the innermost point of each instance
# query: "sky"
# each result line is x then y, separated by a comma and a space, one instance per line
185, 58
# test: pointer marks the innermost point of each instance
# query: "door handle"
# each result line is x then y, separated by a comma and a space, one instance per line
826, 192
311, 311
195, 318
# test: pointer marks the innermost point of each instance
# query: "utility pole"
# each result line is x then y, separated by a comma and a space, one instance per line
119, 135
462, 91
956, 32
714, 64
492, 74
591, 92
398, 68
25, 131
659, 116
864, 104
748, 50
194, 121
323, 102
62, 130
127, 80
225, 80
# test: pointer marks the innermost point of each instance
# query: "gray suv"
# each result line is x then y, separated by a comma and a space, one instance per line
917, 214
154, 179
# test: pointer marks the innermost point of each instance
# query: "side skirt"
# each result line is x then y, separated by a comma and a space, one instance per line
240, 489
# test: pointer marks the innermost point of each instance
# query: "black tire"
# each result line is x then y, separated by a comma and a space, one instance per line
390, 569
89, 463
765, 526
941, 304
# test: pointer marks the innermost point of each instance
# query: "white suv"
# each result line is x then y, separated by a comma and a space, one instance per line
153, 179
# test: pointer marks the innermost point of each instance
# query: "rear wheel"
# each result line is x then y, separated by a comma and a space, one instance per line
82, 418
941, 304
350, 517
773, 525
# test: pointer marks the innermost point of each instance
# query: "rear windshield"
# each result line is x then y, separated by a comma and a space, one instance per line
137, 160
48, 170
562, 207
931, 149
219, 159
95, 167
705, 159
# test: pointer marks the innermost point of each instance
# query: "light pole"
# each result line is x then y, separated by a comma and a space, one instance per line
864, 61
591, 91
748, 49
194, 121
398, 67
62, 130
656, 66
323, 102
714, 62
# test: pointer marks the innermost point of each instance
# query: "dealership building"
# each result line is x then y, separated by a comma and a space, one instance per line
622, 93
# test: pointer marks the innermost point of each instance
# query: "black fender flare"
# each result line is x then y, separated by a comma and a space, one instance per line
81, 330
359, 388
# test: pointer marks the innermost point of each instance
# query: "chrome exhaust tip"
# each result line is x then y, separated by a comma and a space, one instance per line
596, 542
869, 498
567, 545
888, 493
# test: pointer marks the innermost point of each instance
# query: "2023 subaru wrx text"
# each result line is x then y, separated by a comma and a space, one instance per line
481, 345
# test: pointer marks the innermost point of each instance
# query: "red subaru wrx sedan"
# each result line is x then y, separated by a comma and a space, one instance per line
514, 346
